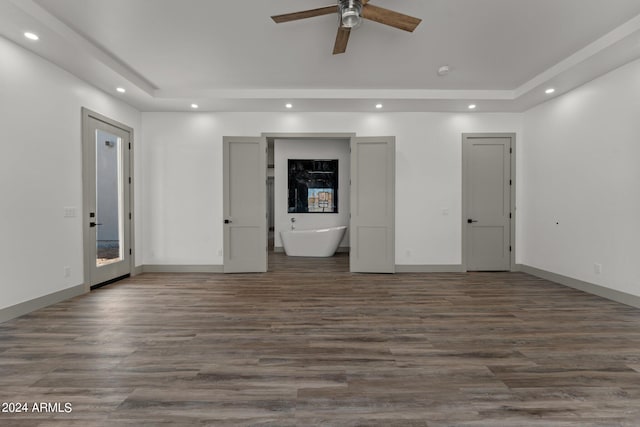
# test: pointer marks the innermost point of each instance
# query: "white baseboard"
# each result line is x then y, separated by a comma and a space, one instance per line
341, 249
429, 268
590, 288
167, 268
27, 307
400, 268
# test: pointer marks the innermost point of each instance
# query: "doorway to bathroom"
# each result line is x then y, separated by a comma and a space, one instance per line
311, 192
363, 200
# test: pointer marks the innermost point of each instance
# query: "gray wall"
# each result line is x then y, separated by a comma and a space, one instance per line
40, 116
580, 201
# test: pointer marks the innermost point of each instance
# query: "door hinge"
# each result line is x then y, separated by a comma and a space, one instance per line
129, 251
509, 214
510, 182
510, 150
509, 248
129, 215
129, 146
129, 180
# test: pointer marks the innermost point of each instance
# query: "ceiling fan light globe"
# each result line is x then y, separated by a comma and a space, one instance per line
351, 19
350, 13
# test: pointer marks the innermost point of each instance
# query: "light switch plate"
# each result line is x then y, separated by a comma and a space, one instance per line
70, 212
597, 268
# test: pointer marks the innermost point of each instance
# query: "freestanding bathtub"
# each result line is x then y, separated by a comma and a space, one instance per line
313, 243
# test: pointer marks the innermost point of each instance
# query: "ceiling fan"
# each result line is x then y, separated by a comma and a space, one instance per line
351, 13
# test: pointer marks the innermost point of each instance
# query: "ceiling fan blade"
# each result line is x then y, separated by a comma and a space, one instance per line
342, 38
287, 17
389, 17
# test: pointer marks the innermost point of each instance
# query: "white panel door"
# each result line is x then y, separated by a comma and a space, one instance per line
372, 225
487, 179
245, 204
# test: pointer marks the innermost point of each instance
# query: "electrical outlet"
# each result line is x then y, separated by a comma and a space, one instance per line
67, 272
597, 268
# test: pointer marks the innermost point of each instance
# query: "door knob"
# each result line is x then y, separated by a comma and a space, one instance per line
93, 224
471, 221
227, 221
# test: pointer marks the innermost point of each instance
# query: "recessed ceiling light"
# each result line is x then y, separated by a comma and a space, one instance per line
378, 106
549, 91
121, 90
31, 36
289, 105
472, 106
195, 106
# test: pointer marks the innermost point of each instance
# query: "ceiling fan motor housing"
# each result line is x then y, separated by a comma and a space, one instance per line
350, 13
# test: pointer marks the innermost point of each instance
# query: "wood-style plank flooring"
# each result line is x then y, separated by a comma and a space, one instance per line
310, 344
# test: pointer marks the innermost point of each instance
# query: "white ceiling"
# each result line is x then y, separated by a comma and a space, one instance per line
230, 56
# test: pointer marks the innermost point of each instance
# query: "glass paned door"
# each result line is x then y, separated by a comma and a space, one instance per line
107, 206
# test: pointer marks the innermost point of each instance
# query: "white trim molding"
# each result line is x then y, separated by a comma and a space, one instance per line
590, 288
340, 250
27, 307
167, 268
429, 268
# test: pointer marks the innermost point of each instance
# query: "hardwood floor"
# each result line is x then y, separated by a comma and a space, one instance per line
311, 344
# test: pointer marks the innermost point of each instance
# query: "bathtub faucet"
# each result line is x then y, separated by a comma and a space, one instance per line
293, 223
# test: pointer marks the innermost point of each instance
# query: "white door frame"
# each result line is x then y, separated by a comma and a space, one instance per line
310, 135
87, 138
512, 233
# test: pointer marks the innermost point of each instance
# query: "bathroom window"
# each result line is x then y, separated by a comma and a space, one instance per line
313, 186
